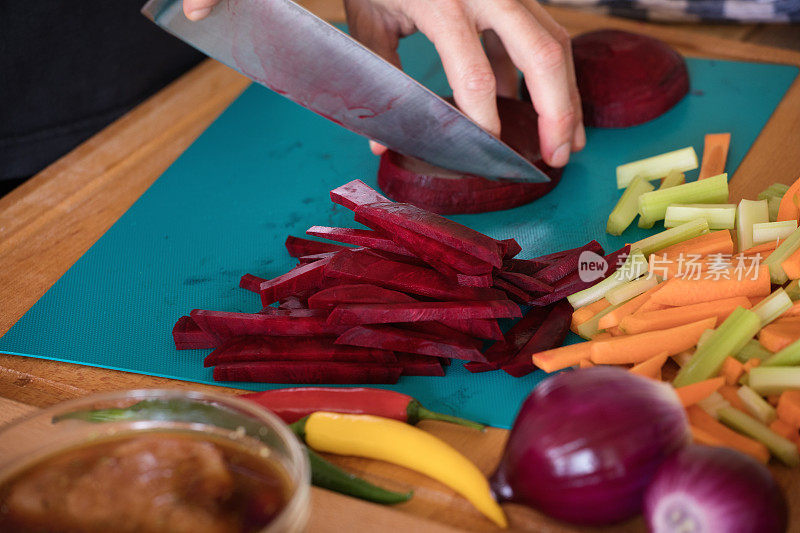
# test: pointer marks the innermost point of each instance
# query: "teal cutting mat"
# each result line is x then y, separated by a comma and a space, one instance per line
263, 170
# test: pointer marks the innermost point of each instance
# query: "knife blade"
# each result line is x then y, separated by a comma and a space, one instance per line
284, 47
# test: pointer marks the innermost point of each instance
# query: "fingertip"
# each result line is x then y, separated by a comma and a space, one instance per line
377, 148
560, 156
198, 14
579, 138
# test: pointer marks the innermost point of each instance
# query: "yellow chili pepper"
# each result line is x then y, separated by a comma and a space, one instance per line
388, 440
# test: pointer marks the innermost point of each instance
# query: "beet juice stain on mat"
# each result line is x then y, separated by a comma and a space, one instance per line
225, 207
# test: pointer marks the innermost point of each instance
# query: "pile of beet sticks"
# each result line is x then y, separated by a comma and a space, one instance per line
417, 291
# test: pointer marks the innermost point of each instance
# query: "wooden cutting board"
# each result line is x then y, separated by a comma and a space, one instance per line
49, 222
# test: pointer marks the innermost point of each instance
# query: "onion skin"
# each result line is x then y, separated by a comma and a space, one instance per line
719, 489
586, 444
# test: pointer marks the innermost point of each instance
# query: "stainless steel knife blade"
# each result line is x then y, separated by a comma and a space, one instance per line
284, 47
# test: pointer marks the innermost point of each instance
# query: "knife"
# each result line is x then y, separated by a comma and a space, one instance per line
284, 47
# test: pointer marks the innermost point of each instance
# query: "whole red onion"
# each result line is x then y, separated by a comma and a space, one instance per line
586, 444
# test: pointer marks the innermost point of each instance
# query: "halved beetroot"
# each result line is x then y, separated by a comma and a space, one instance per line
384, 313
189, 336
625, 78
266, 348
410, 180
298, 246
309, 372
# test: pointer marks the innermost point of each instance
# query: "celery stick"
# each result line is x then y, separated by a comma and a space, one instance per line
631, 289
704, 337
793, 290
789, 356
781, 254
673, 178
646, 223
776, 190
757, 405
774, 206
635, 265
659, 241
748, 213
753, 350
782, 448
719, 216
774, 379
591, 327
657, 166
713, 403
772, 231
627, 207
773, 306
741, 326
653, 205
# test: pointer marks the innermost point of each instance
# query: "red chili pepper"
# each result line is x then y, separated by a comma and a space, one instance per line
294, 403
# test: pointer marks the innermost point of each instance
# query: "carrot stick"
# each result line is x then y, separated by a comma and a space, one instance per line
651, 368
683, 291
789, 209
715, 153
600, 335
639, 348
729, 393
691, 394
793, 311
566, 356
751, 363
585, 363
724, 436
784, 430
755, 300
762, 248
631, 306
773, 399
615, 331
650, 305
677, 316
780, 334
789, 407
792, 265
715, 242
731, 370
581, 315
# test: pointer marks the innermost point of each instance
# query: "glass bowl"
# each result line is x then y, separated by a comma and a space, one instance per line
224, 418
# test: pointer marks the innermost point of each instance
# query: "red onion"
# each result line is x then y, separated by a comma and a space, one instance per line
586, 444
704, 489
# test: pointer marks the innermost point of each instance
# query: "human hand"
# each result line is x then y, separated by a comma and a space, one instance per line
516, 34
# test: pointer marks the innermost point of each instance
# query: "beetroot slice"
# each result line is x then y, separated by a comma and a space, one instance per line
307, 372
550, 334
479, 329
406, 179
567, 264
442, 331
354, 314
529, 284
356, 193
298, 247
356, 294
429, 250
368, 268
245, 349
188, 335
222, 325
529, 267
359, 237
510, 248
392, 338
251, 283
438, 228
308, 276
515, 338
420, 365
513, 292
625, 78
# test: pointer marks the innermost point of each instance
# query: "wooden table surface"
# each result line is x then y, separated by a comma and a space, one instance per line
50, 221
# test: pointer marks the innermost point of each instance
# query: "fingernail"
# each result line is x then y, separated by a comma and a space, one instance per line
579, 138
198, 14
560, 155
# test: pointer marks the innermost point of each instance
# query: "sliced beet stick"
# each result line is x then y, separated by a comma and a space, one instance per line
298, 246
359, 237
306, 372
356, 294
246, 349
384, 313
306, 259
566, 265
484, 280
420, 365
514, 339
292, 302
402, 340
480, 329
356, 193
188, 335
510, 248
305, 277
443, 331
529, 284
550, 334
222, 325
251, 283
367, 268
514, 293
